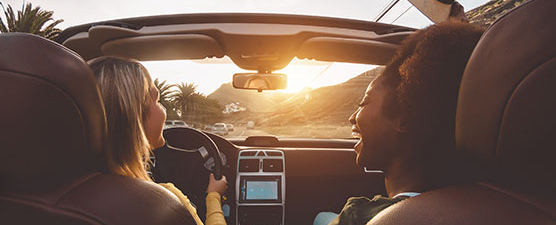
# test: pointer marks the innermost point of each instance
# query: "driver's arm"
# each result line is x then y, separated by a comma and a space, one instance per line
215, 216
215, 189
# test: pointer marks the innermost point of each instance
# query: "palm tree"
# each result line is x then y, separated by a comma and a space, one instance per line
30, 20
165, 99
184, 98
164, 90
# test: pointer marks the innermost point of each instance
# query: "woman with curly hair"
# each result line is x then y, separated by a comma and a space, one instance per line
406, 119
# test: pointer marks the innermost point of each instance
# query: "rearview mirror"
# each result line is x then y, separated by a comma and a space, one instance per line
260, 81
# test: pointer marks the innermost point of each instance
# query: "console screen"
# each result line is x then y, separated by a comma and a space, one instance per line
261, 190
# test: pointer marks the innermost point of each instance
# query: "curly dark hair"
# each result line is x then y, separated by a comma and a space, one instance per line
423, 80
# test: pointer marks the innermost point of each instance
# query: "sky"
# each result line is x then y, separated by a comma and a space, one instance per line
300, 73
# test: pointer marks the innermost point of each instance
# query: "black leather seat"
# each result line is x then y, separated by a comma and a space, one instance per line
506, 124
52, 134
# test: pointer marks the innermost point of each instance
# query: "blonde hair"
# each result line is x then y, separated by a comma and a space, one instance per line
126, 88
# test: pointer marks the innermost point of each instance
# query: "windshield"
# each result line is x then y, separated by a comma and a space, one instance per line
317, 102
320, 95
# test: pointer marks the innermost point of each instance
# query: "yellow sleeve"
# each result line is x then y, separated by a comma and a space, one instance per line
215, 216
184, 200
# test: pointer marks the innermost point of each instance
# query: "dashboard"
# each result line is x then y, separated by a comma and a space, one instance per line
280, 180
260, 187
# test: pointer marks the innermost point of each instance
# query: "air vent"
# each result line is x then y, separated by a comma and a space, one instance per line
272, 165
252, 153
248, 165
272, 153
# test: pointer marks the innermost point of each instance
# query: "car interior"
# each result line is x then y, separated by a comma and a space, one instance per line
53, 125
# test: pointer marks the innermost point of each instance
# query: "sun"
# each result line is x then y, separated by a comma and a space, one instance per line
313, 74
300, 76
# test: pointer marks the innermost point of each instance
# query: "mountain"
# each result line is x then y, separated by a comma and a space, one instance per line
324, 105
255, 102
486, 14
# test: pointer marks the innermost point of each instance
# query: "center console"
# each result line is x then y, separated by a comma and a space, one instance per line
260, 190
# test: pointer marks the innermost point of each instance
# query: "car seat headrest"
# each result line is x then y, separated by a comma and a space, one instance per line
506, 116
52, 122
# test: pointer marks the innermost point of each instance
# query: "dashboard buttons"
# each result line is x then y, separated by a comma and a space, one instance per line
272, 165
249, 165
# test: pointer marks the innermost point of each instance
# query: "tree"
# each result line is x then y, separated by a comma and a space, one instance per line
206, 110
165, 92
165, 99
30, 20
212, 111
184, 99
194, 107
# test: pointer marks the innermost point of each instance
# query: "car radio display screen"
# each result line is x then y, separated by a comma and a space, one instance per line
261, 190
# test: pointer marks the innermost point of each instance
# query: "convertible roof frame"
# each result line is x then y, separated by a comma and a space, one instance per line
253, 41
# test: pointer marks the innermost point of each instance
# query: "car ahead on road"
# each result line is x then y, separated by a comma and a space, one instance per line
230, 127
220, 128
207, 128
286, 177
250, 124
174, 123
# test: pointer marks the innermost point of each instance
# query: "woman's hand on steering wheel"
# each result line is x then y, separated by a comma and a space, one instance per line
219, 186
182, 162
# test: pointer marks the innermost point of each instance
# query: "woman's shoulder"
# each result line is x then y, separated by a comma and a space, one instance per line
167, 185
177, 192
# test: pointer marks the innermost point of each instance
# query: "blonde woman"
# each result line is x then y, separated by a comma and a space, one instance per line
135, 121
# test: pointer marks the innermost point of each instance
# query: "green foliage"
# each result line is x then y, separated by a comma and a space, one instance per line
208, 110
184, 102
165, 92
163, 88
30, 20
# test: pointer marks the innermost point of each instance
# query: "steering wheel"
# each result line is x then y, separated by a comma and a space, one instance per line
185, 161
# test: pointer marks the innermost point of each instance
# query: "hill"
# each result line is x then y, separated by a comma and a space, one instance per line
251, 100
326, 105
